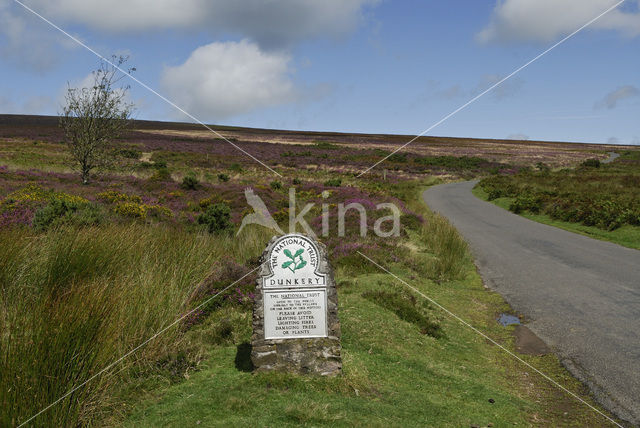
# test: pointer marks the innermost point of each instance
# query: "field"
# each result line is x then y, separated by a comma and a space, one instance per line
90, 272
598, 200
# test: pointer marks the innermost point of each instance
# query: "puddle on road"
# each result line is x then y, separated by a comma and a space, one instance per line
506, 319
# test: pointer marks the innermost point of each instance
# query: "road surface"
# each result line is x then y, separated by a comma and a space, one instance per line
580, 295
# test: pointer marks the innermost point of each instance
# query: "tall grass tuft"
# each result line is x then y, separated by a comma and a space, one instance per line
73, 301
450, 250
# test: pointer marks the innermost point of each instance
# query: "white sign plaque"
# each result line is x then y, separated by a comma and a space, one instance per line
293, 263
294, 314
295, 294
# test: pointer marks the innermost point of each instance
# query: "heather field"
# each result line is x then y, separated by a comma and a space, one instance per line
90, 272
595, 199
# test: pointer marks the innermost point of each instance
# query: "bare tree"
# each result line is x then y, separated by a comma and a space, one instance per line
93, 117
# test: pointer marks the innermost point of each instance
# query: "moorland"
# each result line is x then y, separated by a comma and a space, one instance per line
90, 272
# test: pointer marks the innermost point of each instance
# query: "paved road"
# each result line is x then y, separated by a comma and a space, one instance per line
612, 156
580, 295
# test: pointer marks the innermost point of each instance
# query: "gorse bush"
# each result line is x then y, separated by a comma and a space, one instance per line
223, 177
113, 196
142, 211
217, 218
130, 209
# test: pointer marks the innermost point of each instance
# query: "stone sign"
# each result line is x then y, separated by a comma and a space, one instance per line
295, 314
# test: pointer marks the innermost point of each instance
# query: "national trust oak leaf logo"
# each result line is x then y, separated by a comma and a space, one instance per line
292, 264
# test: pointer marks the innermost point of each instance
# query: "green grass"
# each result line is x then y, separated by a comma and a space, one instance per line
73, 300
394, 375
627, 235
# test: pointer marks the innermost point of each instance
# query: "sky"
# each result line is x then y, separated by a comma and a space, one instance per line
371, 66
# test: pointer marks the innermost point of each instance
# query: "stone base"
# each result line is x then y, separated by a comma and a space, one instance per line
303, 356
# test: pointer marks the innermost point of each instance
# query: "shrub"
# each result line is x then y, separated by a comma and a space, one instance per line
61, 211
217, 218
325, 145
87, 215
526, 202
591, 163
130, 209
190, 182
235, 167
297, 181
55, 209
158, 212
129, 153
543, 167
206, 202
161, 174
223, 177
333, 182
276, 185
398, 157
113, 196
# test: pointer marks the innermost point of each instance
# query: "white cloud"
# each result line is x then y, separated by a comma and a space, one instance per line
612, 98
219, 80
547, 20
23, 43
273, 23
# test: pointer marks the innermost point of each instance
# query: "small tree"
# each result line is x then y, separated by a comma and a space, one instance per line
93, 117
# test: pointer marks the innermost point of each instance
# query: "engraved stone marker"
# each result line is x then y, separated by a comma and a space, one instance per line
295, 314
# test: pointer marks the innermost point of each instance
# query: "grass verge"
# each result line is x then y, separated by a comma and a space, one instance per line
395, 372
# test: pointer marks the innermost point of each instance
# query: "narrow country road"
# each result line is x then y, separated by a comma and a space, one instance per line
580, 295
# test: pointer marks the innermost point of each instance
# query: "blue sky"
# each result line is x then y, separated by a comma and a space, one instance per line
343, 65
